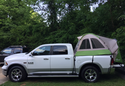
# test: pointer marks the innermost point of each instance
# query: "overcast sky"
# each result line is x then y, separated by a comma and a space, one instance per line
94, 6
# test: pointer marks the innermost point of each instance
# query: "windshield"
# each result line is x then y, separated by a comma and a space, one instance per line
7, 51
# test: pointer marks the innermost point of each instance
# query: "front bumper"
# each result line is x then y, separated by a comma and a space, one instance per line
4, 70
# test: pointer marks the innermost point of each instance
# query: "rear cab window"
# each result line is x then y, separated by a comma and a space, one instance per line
59, 50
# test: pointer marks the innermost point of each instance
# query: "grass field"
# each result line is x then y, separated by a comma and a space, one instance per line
105, 80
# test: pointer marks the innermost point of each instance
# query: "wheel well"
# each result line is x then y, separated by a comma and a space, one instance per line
13, 66
91, 64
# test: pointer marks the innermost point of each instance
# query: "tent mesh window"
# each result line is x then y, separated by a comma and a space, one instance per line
96, 43
85, 44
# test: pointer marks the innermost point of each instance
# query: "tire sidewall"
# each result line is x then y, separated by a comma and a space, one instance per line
93, 68
23, 73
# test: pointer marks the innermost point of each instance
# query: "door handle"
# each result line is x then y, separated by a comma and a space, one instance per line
46, 59
67, 58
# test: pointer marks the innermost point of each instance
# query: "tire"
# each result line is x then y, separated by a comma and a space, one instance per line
17, 74
90, 74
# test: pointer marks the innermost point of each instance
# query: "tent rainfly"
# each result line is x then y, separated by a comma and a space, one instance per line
91, 44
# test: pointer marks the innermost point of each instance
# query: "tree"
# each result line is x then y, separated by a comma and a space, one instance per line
18, 22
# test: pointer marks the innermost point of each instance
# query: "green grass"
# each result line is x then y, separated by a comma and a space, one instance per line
105, 80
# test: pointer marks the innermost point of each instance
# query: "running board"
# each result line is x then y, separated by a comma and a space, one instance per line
53, 75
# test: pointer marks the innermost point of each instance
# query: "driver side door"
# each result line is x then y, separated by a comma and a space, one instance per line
39, 62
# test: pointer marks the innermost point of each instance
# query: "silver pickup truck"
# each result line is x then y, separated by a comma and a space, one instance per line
92, 56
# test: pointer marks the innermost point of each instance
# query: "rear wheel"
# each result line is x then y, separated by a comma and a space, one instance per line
17, 74
90, 74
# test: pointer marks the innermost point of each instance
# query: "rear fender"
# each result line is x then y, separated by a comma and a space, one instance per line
98, 66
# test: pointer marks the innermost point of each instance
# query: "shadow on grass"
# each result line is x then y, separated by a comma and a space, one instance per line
53, 79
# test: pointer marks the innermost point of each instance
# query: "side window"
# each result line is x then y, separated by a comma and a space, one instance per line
60, 50
96, 43
7, 51
45, 50
17, 50
85, 44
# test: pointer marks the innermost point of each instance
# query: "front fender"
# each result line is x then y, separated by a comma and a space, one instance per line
17, 64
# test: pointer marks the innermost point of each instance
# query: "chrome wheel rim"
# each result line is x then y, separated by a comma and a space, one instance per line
16, 74
90, 75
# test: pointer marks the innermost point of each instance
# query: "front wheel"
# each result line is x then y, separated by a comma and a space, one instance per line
90, 74
17, 74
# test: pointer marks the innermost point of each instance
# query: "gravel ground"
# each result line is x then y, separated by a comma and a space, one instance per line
3, 78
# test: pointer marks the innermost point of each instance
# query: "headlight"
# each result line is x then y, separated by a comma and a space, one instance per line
5, 63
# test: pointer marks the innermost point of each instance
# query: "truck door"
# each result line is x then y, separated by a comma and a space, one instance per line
61, 62
39, 62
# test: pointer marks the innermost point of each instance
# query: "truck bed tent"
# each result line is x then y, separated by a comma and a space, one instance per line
91, 44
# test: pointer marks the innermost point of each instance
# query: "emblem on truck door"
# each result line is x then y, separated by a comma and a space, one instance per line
30, 62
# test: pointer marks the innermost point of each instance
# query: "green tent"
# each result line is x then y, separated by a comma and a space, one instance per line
91, 44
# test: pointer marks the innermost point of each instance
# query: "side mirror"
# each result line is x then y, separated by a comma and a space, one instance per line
31, 54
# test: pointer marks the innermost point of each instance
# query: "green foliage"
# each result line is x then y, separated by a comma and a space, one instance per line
120, 36
18, 23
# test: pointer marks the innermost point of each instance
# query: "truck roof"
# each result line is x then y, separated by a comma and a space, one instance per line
16, 46
58, 44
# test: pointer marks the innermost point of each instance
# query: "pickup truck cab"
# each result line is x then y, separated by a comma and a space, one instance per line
59, 60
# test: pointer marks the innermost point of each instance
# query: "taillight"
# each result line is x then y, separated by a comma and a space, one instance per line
112, 61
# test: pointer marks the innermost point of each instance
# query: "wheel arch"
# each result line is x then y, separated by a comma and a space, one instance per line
12, 65
90, 64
